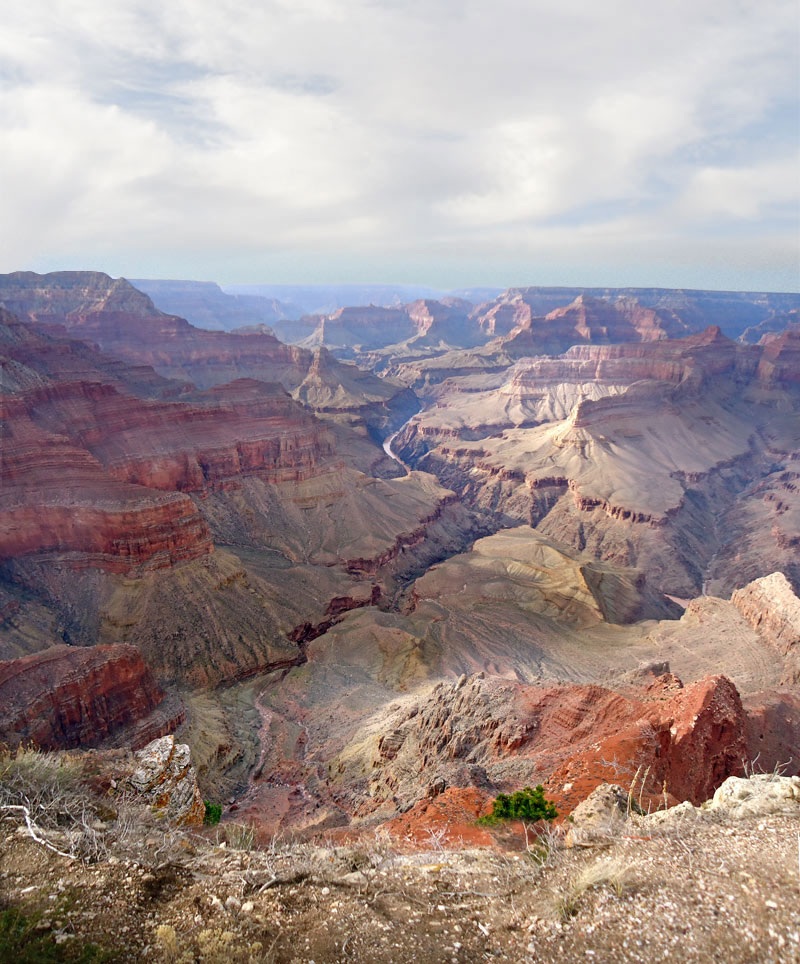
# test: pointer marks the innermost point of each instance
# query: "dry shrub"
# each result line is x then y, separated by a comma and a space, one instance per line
48, 792
211, 946
614, 874
239, 836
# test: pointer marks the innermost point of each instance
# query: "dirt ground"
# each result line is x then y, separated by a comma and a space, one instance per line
703, 893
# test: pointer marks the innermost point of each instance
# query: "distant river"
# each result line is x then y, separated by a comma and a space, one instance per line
387, 444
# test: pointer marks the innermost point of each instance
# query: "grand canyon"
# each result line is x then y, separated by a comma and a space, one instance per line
374, 567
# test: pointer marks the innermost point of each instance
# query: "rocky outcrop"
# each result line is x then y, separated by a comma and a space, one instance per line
165, 778
588, 320
633, 452
661, 738
67, 697
600, 815
425, 323
760, 795
770, 606
773, 325
91, 470
692, 310
780, 359
738, 798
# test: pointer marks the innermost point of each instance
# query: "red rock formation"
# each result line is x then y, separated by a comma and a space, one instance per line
666, 737
68, 696
780, 361
90, 469
686, 743
773, 731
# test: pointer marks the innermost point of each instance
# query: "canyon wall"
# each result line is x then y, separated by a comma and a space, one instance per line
67, 697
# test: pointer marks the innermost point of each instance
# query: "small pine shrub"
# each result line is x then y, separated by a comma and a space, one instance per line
213, 813
527, 804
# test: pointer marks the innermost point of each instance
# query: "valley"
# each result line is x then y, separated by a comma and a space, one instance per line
429, 549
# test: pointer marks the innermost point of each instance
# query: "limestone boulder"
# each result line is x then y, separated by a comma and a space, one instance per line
757, 796
600, 815
165, 777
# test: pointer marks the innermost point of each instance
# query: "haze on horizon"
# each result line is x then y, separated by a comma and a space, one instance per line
440, 142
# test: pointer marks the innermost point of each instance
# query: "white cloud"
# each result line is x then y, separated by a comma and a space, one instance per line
357, 131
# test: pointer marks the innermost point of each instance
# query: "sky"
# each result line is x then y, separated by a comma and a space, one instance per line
406, 141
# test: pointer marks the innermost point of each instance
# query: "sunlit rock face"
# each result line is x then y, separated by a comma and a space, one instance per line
649, 454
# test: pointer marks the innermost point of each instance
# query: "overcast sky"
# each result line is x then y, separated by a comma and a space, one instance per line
444, 142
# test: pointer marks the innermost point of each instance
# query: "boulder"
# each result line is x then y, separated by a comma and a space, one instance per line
602, 813
757, 796
166, 778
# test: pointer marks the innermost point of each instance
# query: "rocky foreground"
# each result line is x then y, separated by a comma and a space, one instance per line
719, 882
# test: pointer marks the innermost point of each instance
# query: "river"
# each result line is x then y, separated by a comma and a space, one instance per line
387, 444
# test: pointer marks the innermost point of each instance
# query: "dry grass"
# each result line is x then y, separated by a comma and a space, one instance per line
614, 874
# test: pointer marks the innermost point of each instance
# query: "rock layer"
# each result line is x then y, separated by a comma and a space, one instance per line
67, 697
633, 452
123, 321
663, 737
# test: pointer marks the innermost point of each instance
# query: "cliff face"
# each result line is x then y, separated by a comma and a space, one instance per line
110, 504
124, 322
689, 310
633, 451
416, 325
780, 359
587, 319
484, 732
90, 469
68, 696
770, 606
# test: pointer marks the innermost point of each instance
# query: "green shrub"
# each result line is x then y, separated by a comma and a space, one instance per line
528, 804
213, 813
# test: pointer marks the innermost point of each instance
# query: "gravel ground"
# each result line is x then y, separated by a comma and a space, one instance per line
707, 892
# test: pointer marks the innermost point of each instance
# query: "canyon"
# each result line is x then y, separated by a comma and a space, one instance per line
427, 553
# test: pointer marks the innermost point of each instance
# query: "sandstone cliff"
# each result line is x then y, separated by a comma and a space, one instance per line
69, 696
770, 606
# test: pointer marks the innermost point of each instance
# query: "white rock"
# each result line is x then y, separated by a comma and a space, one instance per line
757, 796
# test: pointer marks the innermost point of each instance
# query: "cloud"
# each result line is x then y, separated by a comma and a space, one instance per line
371, 137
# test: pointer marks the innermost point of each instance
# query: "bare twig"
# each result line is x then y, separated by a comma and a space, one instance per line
34, 831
